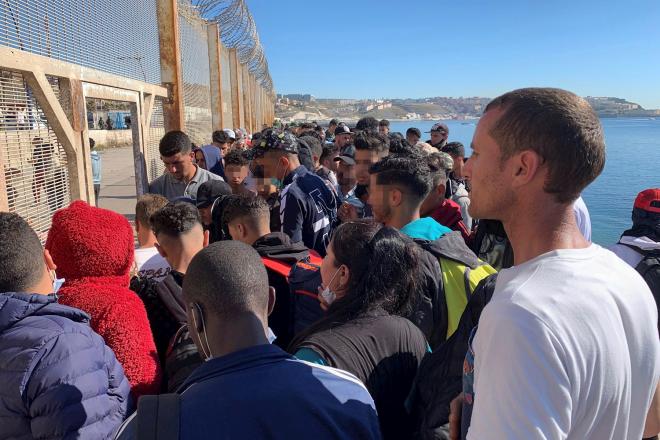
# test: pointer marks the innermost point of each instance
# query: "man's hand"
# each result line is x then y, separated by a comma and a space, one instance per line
347, 212
455, 410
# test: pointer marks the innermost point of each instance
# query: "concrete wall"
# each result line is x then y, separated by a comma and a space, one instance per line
112, 138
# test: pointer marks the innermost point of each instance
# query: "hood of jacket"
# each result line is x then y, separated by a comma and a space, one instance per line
86, 241
278, 246
213, 158
451, 246
15, 307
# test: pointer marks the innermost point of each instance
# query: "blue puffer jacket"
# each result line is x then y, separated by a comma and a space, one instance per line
58, 379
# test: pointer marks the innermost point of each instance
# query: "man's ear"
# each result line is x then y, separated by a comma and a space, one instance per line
526, 167
50, 265
441, 190
271, 299
197, 318
160, 250
192, 156
396, 197
207, 237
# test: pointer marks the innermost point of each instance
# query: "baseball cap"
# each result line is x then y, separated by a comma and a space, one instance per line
441, 127
211, 190
274, 140
342, 129
230, 133
347, 156
648, 200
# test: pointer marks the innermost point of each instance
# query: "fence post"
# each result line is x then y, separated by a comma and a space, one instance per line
4, 196
215, 66
171, 73
73, 103
247, 106
236, 93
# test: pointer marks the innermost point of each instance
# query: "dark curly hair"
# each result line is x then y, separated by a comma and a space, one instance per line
175, 219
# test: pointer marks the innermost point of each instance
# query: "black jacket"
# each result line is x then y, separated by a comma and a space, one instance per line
167, 316
431, 314
440, 376
384, 351
278, 246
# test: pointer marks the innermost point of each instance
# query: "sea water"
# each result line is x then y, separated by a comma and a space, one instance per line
633, 164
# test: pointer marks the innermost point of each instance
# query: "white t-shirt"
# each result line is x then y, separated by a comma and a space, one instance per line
151, 264
582, 217
566, 349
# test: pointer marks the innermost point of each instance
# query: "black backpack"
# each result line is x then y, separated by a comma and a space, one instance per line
649, 269
440, 376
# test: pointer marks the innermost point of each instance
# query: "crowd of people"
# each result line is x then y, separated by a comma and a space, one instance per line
343, 282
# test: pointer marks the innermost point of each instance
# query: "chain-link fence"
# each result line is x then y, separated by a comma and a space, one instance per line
122, 38
33, 162
196, 73
115, 36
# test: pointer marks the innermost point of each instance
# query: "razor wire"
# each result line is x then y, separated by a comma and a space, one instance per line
239, 31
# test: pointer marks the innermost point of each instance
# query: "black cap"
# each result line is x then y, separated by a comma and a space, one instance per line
347, 155
211, 190
441, 127
342, 129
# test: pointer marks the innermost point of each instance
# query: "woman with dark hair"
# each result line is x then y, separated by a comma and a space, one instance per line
369, 278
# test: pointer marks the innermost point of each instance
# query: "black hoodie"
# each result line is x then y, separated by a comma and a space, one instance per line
278, 246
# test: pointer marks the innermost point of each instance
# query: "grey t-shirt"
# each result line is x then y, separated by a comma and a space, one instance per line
171, 188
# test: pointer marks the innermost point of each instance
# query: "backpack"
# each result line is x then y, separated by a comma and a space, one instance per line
303, 279
649, 269
440, 375
492, 245
181, 357
158, 417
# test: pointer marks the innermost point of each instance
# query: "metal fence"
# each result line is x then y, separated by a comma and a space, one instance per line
36, 180
114, 49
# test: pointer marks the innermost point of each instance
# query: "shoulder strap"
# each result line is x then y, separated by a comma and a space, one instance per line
158, 417
277, 266
315, 258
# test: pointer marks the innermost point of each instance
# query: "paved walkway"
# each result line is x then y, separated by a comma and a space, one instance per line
118, 181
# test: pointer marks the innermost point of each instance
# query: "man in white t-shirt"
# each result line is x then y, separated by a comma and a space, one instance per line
568, 346
149, 263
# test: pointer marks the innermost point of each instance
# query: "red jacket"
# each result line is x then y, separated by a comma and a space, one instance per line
449, 214
93, 250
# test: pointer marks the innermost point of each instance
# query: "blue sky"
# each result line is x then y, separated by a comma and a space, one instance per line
419, 48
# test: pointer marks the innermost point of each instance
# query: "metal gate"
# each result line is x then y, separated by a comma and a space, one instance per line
34, 163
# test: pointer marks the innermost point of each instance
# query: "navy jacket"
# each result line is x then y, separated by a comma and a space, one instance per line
58, 379
262, 392
308, 209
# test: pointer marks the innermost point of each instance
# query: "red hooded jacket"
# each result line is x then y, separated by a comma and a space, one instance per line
449, 214
93, 250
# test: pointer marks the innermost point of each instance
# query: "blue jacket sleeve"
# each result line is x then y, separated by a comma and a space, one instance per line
76, 388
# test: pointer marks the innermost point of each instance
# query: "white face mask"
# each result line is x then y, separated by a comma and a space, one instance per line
328, 295
57, 282
271, 336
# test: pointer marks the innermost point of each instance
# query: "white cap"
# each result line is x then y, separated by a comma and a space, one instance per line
230, 133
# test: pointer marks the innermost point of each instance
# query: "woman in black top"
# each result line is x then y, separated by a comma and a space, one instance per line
369, 276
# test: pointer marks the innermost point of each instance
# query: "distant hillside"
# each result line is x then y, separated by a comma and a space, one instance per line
301, 107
